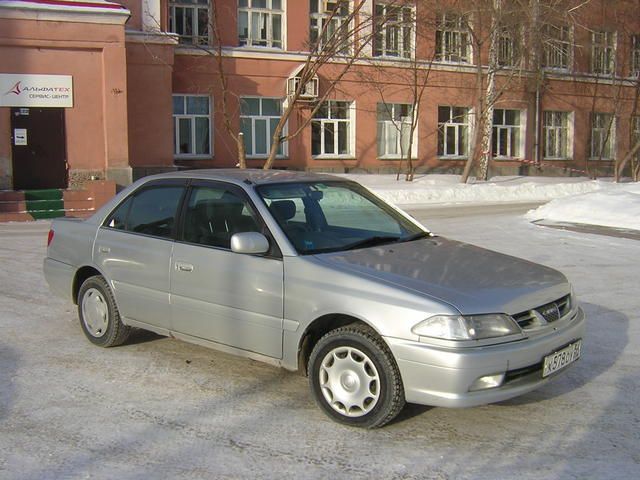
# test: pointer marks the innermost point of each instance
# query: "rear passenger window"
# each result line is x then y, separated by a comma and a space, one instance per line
150, 212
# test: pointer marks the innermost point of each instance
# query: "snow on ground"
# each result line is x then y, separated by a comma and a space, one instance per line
571, 200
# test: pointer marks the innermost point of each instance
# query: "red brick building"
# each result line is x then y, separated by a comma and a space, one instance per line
143, 91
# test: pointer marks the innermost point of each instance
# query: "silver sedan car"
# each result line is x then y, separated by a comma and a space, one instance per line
315, 273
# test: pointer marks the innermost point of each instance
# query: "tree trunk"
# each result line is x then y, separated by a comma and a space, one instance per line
242, 158
490, 94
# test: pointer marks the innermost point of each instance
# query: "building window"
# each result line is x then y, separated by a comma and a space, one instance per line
635, 55
507, 134
329, 25
603, 52
452, 39
191, 125
258, 120
260, 23
556, 135
602, 136
394, 129
393, 31
557, 47
453, 131
190, 20
331, 129
508, 48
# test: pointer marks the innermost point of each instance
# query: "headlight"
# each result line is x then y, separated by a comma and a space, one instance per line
467, 327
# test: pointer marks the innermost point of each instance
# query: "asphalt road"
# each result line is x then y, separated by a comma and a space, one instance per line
160, 408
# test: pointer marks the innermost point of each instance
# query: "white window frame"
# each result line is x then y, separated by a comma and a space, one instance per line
453, 40
457, 126
340, 21
509, 44
192, 118
192, 8
598, 134
269, 12
520, 128
553, 130
635, 55
267, 119
603, 53
392, 125
351, 130
381, 31
557, 53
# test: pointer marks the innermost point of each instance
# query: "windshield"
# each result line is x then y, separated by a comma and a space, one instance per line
332, 216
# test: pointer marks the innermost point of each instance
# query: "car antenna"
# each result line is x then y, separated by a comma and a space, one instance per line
247, 181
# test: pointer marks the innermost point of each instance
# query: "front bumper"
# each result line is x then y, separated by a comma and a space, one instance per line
443, 377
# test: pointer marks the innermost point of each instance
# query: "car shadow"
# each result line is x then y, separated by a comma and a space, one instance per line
605, 338
139, 336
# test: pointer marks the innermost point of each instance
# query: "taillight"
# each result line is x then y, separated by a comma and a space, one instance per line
50, 237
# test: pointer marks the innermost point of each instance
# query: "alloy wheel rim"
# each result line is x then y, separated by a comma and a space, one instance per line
95, 312
349, 381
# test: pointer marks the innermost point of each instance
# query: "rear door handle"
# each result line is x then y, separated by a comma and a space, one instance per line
104, 249
184, 267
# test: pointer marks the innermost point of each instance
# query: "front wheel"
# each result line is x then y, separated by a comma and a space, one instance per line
98, 313
354, 377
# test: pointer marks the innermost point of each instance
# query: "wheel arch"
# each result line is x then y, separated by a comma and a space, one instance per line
78, 279
318, 328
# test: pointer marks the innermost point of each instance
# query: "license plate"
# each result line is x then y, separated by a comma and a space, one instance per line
560, 359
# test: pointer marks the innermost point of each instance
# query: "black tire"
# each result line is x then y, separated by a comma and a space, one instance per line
108, 330
357, 339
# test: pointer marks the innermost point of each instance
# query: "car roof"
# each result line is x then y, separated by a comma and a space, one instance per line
250, 175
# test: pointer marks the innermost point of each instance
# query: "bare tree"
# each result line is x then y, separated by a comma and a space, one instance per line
336, 46
398, 28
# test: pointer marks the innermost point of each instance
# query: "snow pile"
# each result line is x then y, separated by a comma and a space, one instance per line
617, 205
447, 189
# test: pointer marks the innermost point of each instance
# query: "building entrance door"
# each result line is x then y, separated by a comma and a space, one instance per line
38, 148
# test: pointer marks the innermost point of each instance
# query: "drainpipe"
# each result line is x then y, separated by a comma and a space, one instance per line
536, 141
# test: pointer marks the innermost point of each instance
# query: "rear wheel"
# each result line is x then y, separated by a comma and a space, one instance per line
98, 313
354, 377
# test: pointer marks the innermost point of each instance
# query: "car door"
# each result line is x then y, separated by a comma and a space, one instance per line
216, 294
133, 249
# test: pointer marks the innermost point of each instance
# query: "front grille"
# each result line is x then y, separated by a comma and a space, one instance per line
544, 314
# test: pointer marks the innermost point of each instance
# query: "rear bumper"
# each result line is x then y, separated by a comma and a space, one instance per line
59, 276
443, 377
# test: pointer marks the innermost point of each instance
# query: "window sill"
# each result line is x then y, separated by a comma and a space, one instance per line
193, 157
558, 159
333, 157
452, 157
258, 48
507, 159
603, 159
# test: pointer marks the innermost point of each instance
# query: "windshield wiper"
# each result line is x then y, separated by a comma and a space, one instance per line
371, 242
415, 236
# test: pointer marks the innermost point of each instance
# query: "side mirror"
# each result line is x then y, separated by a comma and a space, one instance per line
249, 242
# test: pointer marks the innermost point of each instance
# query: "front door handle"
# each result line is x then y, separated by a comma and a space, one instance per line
184, 267
104, 249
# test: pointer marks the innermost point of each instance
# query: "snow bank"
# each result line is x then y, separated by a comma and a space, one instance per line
616, 205
447, 189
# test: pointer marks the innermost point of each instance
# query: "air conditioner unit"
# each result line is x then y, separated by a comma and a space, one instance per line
309, 91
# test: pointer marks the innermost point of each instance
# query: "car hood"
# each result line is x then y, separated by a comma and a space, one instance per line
471, 279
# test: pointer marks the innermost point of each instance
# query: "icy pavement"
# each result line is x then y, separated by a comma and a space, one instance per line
160, 408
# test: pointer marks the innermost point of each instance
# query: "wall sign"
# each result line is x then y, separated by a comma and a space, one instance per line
17, 90
20, 136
